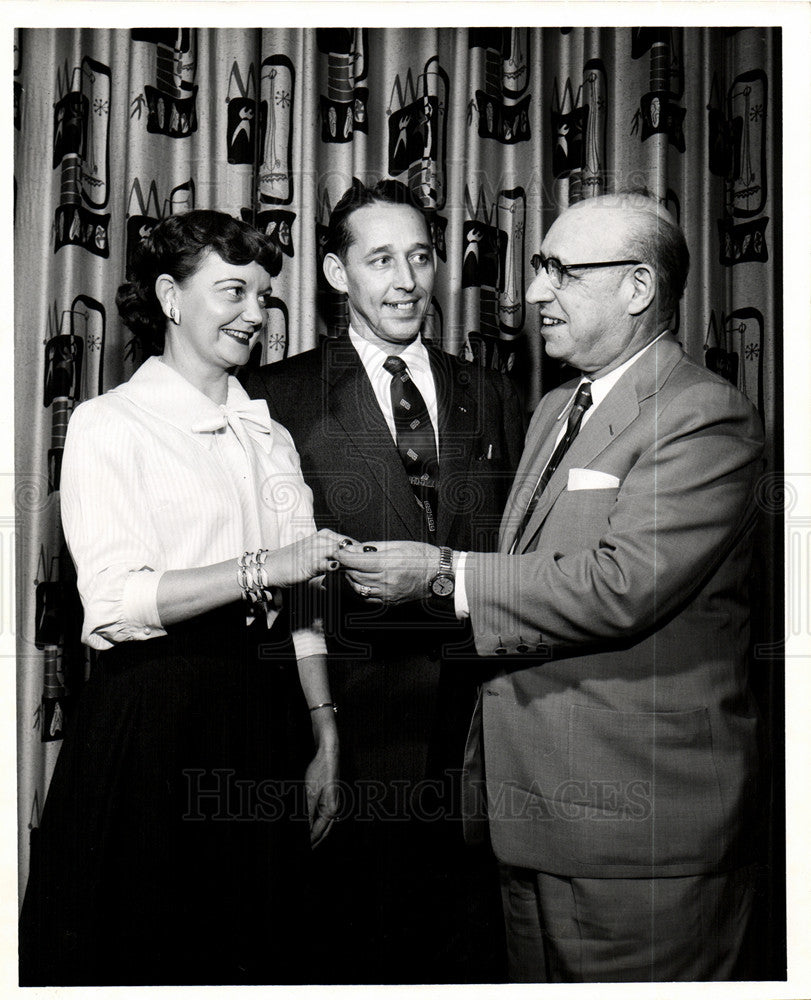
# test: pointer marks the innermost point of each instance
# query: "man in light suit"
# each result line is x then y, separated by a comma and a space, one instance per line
615, 739
401, 677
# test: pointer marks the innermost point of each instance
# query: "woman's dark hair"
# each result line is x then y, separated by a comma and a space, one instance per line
177, 246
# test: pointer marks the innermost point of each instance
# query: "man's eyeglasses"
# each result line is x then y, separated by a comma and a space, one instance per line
558, 273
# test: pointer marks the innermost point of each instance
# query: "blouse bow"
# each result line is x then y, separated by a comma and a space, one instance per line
250, 416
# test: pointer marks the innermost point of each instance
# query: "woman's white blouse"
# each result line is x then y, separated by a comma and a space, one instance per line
156, 477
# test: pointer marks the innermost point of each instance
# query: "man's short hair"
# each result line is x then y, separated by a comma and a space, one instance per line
386, 192
654, 236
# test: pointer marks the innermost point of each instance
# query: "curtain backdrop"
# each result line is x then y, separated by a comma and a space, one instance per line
495, 130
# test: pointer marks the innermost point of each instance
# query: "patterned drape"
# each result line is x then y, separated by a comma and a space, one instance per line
493, 129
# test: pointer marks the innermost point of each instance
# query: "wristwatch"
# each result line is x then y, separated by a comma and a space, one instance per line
443, 583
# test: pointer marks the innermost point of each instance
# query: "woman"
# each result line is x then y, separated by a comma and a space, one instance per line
168, 850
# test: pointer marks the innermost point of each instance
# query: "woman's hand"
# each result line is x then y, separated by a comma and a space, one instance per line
321, 777
185, 593
321, 782
301, 561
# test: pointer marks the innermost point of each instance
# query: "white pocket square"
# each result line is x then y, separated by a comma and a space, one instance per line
591, 479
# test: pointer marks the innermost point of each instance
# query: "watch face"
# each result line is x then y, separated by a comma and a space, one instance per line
442, 586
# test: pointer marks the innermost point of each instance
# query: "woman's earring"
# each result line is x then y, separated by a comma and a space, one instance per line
174, 315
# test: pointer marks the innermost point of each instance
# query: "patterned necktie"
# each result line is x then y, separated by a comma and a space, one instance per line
415, 437
582, 402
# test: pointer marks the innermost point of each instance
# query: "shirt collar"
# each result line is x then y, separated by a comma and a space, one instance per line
415, 355
161, 390
600, 387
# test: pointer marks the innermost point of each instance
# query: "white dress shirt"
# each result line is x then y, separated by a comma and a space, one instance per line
419, 366
600, 388
157, 477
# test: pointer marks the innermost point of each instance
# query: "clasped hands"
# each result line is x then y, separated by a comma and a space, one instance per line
380, 572
389, 572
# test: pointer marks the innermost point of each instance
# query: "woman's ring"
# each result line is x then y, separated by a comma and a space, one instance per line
364, 591
344, 542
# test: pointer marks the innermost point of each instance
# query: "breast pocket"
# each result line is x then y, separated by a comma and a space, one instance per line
579, 518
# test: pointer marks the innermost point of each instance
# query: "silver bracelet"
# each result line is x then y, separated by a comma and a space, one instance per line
251, 577
325, 704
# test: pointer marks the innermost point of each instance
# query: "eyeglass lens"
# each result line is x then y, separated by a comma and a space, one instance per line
551, 265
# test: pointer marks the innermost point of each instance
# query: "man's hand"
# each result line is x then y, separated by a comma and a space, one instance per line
393, 572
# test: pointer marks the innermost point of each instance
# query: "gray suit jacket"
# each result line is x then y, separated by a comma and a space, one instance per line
618, 732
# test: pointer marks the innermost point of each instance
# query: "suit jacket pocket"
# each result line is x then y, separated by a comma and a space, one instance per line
643, 788
579, 519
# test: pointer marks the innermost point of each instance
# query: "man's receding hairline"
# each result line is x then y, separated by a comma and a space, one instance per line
382, 203
628, 229
644, 207
637, 218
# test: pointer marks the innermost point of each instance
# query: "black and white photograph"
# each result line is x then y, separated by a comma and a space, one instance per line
408, 530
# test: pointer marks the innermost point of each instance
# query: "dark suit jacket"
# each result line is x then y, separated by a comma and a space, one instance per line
385, 665
619, 733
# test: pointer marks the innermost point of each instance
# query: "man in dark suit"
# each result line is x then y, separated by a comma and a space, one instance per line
617, 728
386, 461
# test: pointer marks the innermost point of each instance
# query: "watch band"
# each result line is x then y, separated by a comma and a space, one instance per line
445, 561
444, 582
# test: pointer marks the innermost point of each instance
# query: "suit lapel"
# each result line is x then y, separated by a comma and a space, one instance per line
457, 417
540, 439
353, 406
616, 412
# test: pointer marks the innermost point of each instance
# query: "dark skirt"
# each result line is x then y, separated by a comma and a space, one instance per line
173, 840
